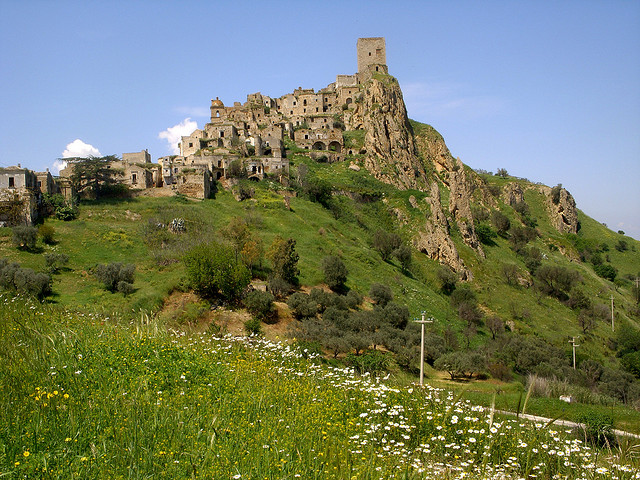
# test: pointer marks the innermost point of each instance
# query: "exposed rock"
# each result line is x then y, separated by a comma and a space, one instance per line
389, 143
563, 213
413, 202
431, 146
460, 206
435, 241
513, 194
354, 167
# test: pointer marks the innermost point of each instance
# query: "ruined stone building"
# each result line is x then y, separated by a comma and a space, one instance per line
248, 136
19, 196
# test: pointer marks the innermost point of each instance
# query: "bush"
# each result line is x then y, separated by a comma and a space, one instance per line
447, 279
260, 305
24, 280
214, 273
386, 243
55, 261
25, 237
335, 272
47, 233
253, 327
396, 315
486, 234
302, 305
556, 281
373, 361
380, 294
284, 259
500, 221
598, 428
115, 276
278, 287
353, 299
66, 212
606, 271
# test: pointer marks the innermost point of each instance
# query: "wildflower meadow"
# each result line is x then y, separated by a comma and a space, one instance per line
89, 395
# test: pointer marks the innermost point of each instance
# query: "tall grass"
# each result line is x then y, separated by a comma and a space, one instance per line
90, 396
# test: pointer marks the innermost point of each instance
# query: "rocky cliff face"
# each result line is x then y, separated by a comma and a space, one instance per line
391, 154
435, 240
562, 209
432, 148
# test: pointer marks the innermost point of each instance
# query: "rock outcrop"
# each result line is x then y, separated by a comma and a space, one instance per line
562, 209
460, 206
513, 194
391, 154
435, 240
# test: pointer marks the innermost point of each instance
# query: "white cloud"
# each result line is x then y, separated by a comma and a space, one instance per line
77, 148
173, 134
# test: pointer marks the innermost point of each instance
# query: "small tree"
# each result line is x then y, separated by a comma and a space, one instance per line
284, 259
260, 305
386, 243
335, 272
380, 294
500, 221
403, 254
447, 279
502, 172
55, 261
116, 276
47, 233
94, 174
213, 272
25, 237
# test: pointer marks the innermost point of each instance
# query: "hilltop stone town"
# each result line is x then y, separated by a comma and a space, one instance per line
249, 136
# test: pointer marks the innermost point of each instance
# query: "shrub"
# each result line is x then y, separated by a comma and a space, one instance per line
447, 279
47, 233
278, 287
556, 281
66, 212
373, 361
260, 304
486, 234
597, 427
500, 221
284, 259
335, 272
386, 243
114, 276
606, 271
403, 254
396, 315
555, 193
302, 305
24, 280
353, 299
502, 172
55, 261
253, 327
214, 273
380, 294
25, 237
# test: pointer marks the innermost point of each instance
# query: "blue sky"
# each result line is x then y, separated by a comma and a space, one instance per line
549, 90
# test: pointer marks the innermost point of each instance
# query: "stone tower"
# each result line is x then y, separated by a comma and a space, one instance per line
371, 52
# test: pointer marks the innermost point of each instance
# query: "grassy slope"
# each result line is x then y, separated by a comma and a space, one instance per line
117, 231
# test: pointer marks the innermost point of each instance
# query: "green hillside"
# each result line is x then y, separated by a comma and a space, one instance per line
502, 332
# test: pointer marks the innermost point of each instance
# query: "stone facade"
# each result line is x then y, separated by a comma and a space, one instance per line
252, 133
20, 196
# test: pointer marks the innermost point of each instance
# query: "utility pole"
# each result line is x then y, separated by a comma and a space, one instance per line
422, 322
573, 344
613, 328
